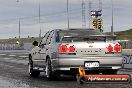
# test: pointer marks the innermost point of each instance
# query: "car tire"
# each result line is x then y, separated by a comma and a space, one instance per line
32, 72
114, 71
51, 75
110, 72
48, 70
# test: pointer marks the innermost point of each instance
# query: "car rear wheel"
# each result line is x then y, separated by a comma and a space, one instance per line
49, 73
32, 72
114, 71
110, 72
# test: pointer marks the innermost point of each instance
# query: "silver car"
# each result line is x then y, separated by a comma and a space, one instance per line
63, 51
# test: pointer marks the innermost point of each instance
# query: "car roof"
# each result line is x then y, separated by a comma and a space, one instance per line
76, 29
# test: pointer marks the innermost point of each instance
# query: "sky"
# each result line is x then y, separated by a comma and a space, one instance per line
54, 16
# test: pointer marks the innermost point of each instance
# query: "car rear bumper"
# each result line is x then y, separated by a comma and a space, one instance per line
71, 63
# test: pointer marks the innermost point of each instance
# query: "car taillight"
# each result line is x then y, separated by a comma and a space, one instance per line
110, 48
117, 47
63, 48
71, 49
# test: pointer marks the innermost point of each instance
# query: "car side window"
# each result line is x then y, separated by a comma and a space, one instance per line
49, 38
45, 38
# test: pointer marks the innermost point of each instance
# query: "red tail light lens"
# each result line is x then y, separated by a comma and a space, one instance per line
117, 47
71, 49
63, 48
110, 48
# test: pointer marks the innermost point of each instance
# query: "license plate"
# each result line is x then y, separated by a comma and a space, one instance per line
91, 64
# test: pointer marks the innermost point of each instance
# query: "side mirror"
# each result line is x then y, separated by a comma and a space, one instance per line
35, 43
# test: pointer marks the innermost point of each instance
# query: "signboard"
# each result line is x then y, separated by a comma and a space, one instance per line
127, 61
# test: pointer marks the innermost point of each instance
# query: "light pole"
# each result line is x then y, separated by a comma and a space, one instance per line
83, 15
112, 30
90, 6
68, 14
19, 28
39, 19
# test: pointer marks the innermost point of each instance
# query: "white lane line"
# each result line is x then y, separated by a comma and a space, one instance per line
2, 54
23, 56
7, 58
11, 55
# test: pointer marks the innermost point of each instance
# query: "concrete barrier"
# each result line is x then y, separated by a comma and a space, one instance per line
11, 47
25, 46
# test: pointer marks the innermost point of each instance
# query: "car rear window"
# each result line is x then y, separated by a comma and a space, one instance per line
88, 38
79, 35
78, 32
